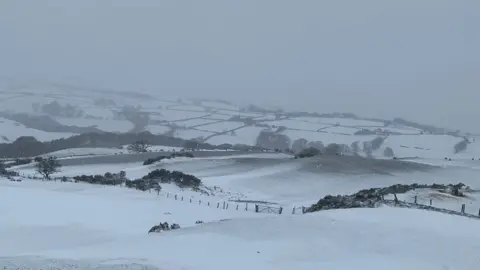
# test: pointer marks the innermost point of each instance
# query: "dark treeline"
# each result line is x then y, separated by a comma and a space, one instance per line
28, 146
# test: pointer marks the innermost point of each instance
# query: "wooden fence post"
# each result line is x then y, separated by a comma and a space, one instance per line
218, 205
415, 199
395, 197
227, 206
430, 201
463, 208
223, 205
256, 208
280, 211
246, 206
293, 211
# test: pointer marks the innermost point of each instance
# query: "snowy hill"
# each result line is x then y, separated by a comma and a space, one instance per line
250, 199
90, 226
214, 122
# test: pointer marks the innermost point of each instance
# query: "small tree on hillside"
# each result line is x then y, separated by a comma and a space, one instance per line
48, 166
332, 149
355, 146
140, 146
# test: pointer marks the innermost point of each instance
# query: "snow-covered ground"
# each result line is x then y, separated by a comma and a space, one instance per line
430, 146
11, 130
86, 151
175, 114
157, 129
298, 124
195, 122
67, 224
220, 105
222, 126
108, 125
351, 122
247, 135
276, 178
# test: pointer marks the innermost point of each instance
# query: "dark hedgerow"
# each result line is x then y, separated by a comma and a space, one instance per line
181, 179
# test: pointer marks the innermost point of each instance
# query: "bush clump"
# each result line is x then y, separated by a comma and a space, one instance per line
369, 198
21, 161
173, 155
181, 179
143, 184
111, 179
7, 173
161, 227
308, 152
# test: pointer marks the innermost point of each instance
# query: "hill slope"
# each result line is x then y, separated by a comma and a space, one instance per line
103, 226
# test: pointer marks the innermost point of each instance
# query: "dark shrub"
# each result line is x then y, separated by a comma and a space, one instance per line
173, 155
179, 178
308, 152
22, 161
461, 146
388, 152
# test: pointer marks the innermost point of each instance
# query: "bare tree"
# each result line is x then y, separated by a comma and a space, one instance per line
140, 146
355, 146
367, 149
48, 166
299, 144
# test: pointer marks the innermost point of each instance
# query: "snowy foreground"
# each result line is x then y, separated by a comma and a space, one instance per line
79, 226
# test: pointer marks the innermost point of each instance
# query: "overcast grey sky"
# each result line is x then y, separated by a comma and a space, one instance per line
418, 59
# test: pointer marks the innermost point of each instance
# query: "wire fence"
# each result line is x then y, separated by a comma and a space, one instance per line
269, 208
430, 205
226, 204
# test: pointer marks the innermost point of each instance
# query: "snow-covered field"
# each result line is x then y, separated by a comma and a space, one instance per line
65, 224
11, 130
157, 129
278, 179
86, 152
297, 124
20, 98
108, 125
